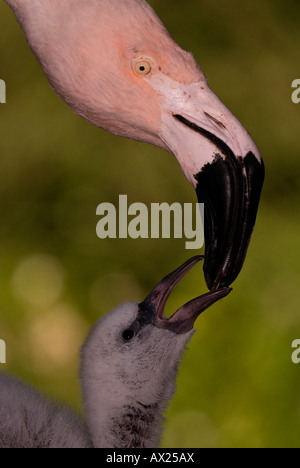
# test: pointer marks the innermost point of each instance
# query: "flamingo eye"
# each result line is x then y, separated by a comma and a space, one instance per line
142, 67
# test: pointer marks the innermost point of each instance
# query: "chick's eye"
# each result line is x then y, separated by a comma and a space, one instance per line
127, 335
142, 67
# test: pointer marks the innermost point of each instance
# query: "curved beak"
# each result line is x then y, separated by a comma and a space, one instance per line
151, 310
222, 162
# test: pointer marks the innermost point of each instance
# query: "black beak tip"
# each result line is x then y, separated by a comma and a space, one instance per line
230, 189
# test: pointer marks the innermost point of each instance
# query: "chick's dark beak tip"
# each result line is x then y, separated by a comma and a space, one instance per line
151, 310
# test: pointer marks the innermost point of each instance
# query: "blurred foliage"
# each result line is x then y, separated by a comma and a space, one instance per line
237, 385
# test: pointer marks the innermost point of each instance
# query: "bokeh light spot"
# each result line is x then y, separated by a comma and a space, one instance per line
38, 280
55, 337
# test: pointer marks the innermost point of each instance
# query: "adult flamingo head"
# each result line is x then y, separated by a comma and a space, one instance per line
114, 63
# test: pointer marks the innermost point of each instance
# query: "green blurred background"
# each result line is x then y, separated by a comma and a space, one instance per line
237, 385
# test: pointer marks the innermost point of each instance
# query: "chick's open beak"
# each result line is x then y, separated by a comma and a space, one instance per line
182, 321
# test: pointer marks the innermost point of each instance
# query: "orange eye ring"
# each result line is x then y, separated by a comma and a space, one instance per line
142, 67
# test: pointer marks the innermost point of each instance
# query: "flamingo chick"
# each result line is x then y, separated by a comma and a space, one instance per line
114, 63
128, 370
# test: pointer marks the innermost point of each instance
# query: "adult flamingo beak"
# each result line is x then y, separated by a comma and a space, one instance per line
222, 162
